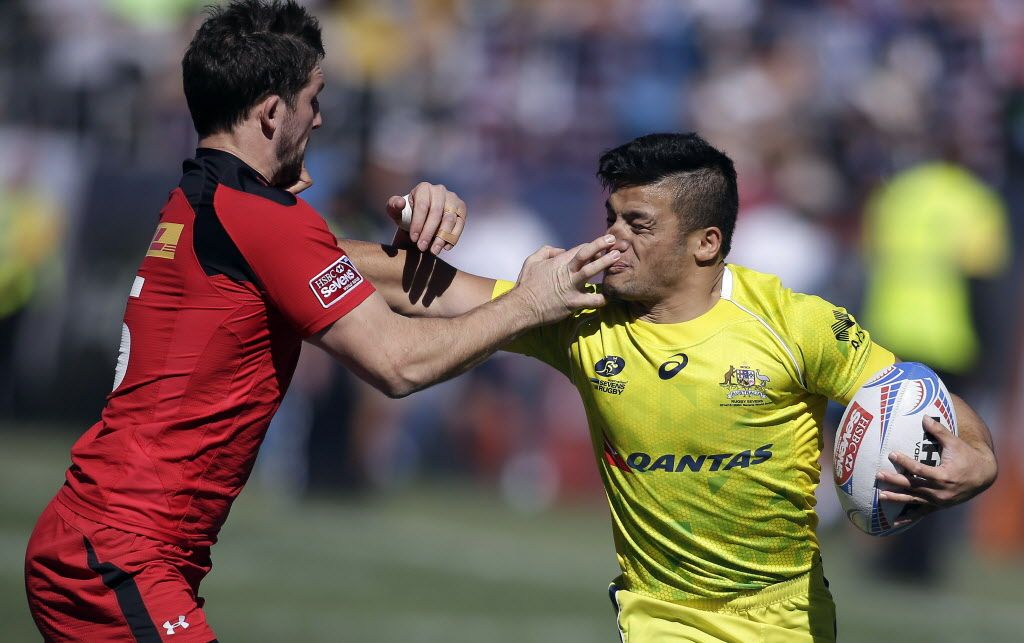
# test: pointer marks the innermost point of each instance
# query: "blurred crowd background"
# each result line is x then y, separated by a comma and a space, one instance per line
879, 146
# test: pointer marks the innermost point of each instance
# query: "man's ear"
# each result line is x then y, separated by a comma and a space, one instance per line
709, 244
270, 111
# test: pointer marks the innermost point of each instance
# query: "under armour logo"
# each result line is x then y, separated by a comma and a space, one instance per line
171, 626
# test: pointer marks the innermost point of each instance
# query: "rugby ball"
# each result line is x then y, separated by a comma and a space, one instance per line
886, 415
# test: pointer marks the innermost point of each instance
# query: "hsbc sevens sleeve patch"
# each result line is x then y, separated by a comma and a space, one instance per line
335, 281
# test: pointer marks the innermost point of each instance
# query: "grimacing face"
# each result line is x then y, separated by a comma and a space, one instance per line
298, 125
651, 241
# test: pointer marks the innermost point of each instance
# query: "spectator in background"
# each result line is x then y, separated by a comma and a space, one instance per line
926, 233
453, 89
31, 231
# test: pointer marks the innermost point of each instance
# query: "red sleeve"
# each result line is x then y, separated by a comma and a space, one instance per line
297, 260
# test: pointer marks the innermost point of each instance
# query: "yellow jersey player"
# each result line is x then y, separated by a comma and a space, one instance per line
705, 386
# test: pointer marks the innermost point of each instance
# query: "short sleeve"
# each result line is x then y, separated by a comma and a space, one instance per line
838, 355
307, 277
548, 343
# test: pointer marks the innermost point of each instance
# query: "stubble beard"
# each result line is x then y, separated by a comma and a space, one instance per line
621, 289
292, 155
634, 290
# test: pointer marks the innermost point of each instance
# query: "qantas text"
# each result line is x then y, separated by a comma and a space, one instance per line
672, 463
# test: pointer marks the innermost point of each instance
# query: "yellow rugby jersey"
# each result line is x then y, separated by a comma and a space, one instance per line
707, 432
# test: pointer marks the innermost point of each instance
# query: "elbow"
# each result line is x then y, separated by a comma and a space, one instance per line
994, 471
400, 381
397, 390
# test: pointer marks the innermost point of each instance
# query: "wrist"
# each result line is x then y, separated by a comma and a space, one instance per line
526, 303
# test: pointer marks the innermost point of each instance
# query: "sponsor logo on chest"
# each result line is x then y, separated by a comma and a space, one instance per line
165, 241
641, 462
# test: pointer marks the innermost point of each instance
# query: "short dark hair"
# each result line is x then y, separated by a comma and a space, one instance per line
706, 192
243, 53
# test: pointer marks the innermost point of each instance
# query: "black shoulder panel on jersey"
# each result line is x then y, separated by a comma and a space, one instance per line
237, 175
216, 252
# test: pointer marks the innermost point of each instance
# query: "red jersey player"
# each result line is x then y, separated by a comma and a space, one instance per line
238, 273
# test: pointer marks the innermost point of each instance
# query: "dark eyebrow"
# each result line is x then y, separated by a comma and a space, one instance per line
630, 216
634, 215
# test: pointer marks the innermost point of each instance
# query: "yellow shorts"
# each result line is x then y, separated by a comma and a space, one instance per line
796, 610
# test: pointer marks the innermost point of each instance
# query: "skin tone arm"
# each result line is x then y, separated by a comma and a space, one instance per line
400, 355
417, 283
413, 281
968, 466
408, 274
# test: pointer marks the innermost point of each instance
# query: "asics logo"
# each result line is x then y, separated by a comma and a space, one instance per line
669, 369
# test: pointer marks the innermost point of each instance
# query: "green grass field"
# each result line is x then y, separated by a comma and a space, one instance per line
454, 564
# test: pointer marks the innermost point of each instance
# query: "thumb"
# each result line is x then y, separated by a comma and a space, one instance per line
304, 182
394, 207
591, 300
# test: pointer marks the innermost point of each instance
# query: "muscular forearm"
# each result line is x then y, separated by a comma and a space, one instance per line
418, 284
433, 350
401, 355
972, 428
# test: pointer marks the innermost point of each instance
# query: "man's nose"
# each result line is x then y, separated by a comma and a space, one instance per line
620, 234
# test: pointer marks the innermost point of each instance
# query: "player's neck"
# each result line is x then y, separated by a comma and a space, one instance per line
697, 295
234, 143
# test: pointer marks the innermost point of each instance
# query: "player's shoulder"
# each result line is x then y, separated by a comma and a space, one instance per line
765, 296
236, 189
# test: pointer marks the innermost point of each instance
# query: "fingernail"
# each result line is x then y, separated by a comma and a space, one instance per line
892, 457
415, 236
609, 239
614, 254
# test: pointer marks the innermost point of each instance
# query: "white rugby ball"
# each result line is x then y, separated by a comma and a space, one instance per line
886, 415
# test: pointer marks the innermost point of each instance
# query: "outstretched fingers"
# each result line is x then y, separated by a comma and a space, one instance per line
585, 253
544, 253
591, 259
911, 466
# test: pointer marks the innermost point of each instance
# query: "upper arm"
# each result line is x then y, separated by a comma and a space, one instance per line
296, 260
359, 341
419, 284
838, 355
971, 427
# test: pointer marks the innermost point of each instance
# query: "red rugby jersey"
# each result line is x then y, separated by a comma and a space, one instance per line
235, 276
